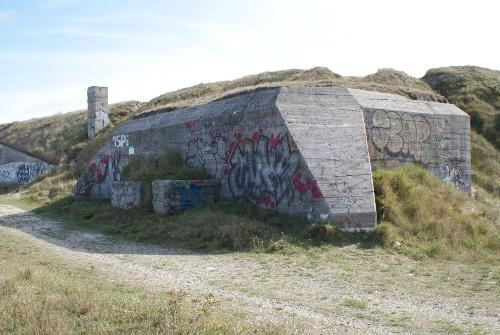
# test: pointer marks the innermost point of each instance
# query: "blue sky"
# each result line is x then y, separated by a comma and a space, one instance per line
51, 50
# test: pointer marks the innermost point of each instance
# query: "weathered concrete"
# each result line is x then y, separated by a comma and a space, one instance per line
97, 110
17, 168
129, 195
301, 151
432, 135
175, 196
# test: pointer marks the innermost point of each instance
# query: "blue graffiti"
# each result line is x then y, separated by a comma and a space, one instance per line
190, 197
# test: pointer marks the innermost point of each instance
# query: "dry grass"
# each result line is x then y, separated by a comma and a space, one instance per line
419, 215
40, 294
385, 80
475, 90
58, 138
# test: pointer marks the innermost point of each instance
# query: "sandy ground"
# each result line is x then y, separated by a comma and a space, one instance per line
339, 291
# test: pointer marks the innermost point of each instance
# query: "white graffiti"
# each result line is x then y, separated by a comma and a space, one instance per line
120, 141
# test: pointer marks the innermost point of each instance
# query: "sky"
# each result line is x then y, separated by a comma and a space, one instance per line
52, 50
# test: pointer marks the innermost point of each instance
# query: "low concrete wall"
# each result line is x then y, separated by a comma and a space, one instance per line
19, 173
175, 196
129, 195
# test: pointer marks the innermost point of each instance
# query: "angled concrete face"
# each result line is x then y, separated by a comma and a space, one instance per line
281, 148
433, 135
327, 126
17, 168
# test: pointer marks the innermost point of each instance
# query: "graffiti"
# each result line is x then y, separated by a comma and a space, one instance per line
205, 152
27, 172
96, 174
452, 174
345, 200
190, 197
117, 161
5, 176
401, 134
120, 141
208, 149
259, 169
303, 187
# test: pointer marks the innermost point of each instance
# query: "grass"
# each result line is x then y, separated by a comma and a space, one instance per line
485, 162
354, 303
226, 226
475, 90
419, 215
40, 294
167, 166
59, 138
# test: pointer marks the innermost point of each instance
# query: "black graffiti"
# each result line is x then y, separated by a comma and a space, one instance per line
262, 167
25, 173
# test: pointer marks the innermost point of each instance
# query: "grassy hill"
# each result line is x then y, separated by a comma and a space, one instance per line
58, 138
475, 90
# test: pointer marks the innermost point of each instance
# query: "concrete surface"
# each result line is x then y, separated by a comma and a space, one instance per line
17, 168
97, 110
175, 196
127, 195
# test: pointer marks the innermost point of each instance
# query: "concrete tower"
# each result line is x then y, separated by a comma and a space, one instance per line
97, 111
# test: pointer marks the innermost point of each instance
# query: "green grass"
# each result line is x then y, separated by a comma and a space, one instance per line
225, 226
40, 294
418, 216
354, 303
167, 166
425, 217
475, 90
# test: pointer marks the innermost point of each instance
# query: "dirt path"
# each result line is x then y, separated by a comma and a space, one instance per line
343, 290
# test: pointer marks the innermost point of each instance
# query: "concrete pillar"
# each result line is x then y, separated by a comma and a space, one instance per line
97, 111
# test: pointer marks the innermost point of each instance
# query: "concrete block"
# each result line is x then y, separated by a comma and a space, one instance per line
97, 110
129, 195
175, 196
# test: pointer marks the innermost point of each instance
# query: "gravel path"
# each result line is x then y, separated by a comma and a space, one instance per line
343, 290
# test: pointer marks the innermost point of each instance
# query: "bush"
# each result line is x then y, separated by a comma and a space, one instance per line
167, 166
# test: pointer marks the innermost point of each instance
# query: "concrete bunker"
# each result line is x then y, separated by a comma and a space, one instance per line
18, 168
303, 151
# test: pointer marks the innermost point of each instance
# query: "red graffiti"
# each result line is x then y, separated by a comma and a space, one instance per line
189, 125
274, 141
239, 142
101, 169
256, 135
266, 200
303, 187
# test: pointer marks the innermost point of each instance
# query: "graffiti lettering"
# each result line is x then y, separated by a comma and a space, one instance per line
403, 134
120, 141
259, 170
27, 172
